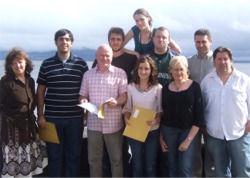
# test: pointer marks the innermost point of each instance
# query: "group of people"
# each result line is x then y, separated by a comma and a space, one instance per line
196, 100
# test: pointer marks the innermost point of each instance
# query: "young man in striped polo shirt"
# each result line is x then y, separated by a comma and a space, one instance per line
59, 81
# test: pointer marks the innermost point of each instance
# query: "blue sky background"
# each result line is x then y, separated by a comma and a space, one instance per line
31, 24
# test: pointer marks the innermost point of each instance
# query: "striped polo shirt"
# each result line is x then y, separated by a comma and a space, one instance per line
63, 82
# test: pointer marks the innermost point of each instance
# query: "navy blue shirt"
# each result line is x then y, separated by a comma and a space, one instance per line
63, 82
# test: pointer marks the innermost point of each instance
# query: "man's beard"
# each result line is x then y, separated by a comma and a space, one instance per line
117, 50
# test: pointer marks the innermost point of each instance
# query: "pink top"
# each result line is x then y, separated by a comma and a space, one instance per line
98, 87
150, 99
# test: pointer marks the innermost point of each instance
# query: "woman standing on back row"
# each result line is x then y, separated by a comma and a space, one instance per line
142, 33
22, 153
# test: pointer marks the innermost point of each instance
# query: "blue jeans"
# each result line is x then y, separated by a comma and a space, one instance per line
144, 155
233, 152
179, 162
68, 151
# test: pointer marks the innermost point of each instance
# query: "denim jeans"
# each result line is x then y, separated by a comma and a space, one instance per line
68, 152
144, 155
235, 153
179, 162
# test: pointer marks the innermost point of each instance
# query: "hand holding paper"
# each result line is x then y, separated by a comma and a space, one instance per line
94, 110
90, 107
48, 133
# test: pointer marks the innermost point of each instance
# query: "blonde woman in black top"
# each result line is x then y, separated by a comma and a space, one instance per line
183, 116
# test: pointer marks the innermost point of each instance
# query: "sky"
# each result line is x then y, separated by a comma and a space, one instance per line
31, 24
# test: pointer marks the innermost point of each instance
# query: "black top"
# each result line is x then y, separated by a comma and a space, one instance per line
63, 82
183, 109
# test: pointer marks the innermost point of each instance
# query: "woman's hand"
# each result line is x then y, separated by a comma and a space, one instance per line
247, 128
42, 121
164, 146
126, 119
153, 122
184, 145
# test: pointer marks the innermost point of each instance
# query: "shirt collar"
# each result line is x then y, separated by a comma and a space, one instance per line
70, 59
207, 56
110, 69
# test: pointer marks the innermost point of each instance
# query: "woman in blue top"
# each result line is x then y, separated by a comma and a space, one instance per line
142, 33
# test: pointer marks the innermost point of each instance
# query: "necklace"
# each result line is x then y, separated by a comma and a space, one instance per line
142, 89
178, 88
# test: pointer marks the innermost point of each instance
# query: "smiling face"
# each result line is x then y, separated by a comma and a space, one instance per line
223, 63
202, 44
178, 67
104, 56
144, 71
64, 44
142, 22
179, 72
18, 66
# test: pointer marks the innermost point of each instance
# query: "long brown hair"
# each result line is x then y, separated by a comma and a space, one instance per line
153, 77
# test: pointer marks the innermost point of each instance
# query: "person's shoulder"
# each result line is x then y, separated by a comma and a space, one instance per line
4, 78
207, 78
135, 29
242, 75
91, 71
129, 55
131, 85
7, 79
173, 53
192, 57
164, 87
78, 59
118, 70
158, 85
31, 79
49, 60
195, 84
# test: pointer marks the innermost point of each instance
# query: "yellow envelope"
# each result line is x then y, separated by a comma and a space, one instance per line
138, 128
48, 134
101, 110
94, 110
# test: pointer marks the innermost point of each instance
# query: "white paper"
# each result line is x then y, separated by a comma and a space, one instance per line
136, 113
90, 107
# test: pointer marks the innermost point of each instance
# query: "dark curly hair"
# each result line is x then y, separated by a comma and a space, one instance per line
17, 53
153, 77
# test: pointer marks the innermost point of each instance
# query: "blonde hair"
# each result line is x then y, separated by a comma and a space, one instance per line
179, 60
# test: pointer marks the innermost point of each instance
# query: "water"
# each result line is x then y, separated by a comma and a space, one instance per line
37, 64
243, 67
